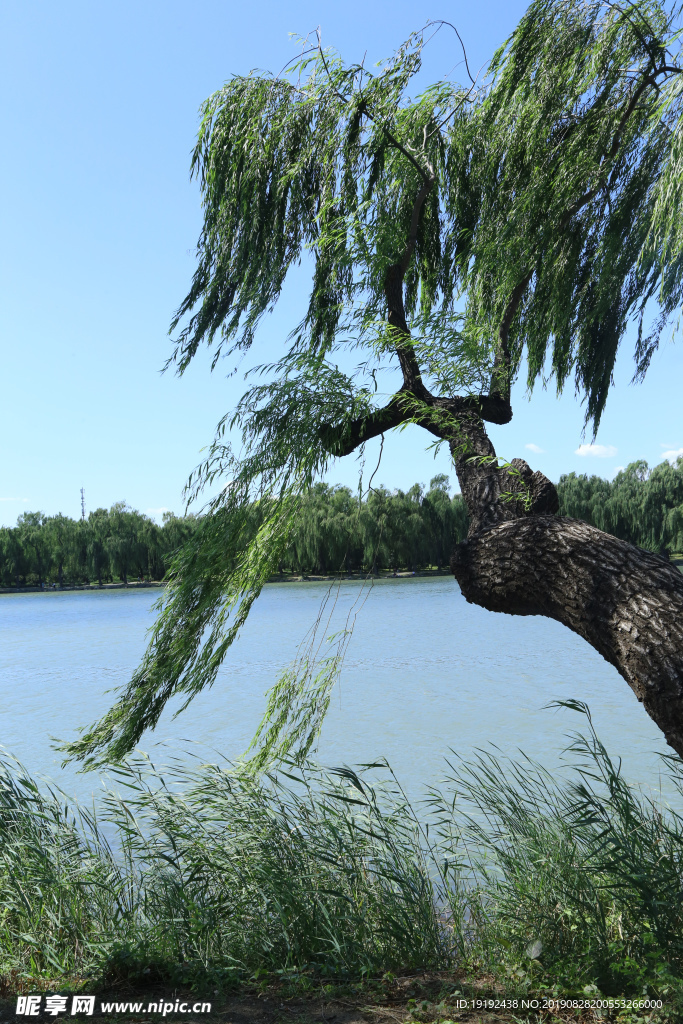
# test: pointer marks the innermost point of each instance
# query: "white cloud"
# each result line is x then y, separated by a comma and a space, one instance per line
617, 469
600, 451
672, 454
157, 511
535, 449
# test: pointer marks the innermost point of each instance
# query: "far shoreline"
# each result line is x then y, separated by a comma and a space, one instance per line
384, 574
285, 577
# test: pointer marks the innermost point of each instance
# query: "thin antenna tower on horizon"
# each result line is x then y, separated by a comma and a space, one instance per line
82, 502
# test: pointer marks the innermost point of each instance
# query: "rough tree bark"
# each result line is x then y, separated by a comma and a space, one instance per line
520, 557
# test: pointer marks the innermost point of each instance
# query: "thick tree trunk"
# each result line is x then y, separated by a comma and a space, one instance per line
522, 559
627, 603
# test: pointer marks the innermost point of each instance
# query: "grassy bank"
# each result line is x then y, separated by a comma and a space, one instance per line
522, 883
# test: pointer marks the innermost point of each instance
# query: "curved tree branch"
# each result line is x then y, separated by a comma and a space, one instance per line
415, 224
501, 376
428, 175
438, 416
636, 30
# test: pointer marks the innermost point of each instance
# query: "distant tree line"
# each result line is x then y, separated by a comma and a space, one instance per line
640, 505
111, 544
334, 532
387, 530
414, 529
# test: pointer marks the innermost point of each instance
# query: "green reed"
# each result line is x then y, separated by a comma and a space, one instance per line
565, 882
574, 879
303, 870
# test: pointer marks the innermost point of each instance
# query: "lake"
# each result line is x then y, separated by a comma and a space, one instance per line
424, 673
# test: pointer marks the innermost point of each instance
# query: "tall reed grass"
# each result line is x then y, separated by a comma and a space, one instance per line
566, 882
573, 879
303, 870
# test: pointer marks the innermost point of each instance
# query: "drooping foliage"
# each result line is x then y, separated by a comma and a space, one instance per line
566, 160
532, 213
326, 530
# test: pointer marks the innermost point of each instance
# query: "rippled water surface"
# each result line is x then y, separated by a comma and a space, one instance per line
425, 672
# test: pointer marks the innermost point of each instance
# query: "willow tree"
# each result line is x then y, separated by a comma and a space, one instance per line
523, 220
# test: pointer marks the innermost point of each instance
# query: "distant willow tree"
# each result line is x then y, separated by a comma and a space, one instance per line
640, 505
61, 551
530, 216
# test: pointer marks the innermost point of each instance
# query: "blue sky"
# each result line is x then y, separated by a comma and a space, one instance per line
98, 226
